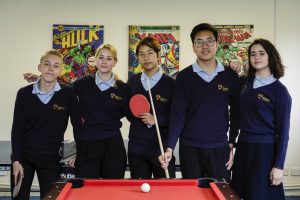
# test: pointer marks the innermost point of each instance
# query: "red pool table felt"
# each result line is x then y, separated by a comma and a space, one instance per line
161, 189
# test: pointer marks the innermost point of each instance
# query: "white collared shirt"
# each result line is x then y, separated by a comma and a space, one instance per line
152, 80
105, 85
44, 97
259, 82
204, 75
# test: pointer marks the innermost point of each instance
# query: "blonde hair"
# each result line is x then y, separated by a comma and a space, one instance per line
51, 52
114, 53
111, 48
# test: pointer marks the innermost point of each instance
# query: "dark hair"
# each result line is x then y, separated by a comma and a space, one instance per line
151, 43
275, 62
204, 27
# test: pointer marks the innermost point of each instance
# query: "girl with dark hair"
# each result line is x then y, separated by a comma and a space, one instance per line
265, 107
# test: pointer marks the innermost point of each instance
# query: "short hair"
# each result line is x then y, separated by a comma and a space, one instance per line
151, 43
51, 52
204, 27
111, 48
274, 59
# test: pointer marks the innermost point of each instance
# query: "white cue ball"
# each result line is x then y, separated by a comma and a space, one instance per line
145, 187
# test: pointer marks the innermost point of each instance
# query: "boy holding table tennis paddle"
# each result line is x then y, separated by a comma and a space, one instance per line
41, 115
143, 146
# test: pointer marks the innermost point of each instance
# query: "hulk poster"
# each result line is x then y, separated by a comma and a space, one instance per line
78, 44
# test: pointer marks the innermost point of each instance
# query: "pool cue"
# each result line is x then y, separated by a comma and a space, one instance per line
157, 129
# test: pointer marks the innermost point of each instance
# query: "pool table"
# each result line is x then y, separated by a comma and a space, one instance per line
129, 189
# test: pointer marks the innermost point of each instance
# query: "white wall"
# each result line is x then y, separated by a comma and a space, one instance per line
287, 38
26, 32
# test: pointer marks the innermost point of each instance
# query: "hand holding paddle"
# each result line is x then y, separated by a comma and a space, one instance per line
17, 186
18, 177
147, 118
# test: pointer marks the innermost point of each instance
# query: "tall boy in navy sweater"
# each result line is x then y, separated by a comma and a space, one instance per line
41, 117
206, 94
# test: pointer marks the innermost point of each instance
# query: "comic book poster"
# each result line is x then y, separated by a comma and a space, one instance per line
168, 37
78, 44
234, 41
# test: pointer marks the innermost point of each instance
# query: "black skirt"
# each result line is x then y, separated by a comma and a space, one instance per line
253, 163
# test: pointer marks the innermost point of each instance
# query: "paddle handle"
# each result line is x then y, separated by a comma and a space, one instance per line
157, 128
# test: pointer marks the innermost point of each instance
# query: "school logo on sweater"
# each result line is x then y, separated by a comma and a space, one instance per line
82, 120
161, 99
223, 88
262, 97
114, 96
57, 107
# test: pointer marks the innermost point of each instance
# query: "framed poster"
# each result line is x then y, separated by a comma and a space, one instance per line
167, 36
78, 44
234, 41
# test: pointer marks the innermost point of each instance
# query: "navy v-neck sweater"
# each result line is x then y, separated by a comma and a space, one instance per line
100, 111
39, 128
265, 117
142, 139
200, 110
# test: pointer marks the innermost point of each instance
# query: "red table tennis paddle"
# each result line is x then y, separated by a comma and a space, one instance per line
139, 104
17, 186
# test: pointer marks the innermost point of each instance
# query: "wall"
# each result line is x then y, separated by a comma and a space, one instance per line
26, 33
287, 32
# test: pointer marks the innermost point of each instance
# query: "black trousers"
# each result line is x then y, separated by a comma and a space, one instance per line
101, 159
204, 162
47, 168
144, 166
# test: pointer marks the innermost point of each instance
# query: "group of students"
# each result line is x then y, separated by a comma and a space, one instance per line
205, 101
